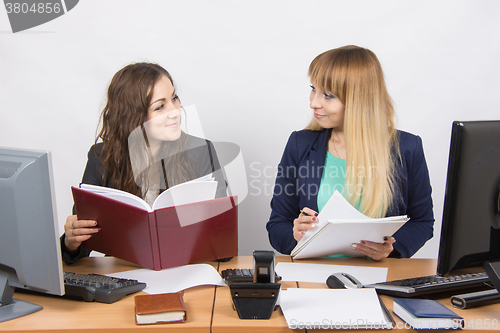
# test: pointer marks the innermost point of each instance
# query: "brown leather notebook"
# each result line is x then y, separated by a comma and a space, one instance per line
157, 239
160, 308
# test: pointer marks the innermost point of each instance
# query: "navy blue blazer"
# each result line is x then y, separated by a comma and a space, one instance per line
299, 176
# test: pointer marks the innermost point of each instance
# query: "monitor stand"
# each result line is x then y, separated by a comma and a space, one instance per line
11, 308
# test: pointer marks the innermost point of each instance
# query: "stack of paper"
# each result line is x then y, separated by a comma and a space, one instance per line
339, 225
333, 309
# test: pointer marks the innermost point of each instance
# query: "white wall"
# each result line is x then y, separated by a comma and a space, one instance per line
244, 65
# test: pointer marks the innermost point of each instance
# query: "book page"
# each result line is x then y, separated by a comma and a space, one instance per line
186, 193
199, 189
119, 195
202, 178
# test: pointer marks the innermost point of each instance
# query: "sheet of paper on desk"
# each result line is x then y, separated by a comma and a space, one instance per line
174, 279
320, 272
332, 309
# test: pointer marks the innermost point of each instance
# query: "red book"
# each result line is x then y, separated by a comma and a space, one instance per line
164, 237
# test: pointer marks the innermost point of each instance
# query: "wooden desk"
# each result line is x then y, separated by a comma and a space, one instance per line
67, 315
210, 308
477, 319
225, 319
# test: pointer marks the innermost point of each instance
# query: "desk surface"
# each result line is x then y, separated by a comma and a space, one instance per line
210, 308
68, 315
484, 319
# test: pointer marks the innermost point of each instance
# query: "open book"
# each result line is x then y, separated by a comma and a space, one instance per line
184, 225
339, 225
195, 190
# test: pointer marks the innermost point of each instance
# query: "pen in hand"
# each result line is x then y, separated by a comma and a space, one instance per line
304, 224
306, 214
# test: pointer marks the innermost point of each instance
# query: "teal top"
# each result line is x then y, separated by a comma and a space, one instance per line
333, 178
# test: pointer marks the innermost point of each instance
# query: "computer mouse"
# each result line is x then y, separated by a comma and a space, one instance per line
343, 280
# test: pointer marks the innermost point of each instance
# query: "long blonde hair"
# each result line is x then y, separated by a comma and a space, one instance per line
354, 75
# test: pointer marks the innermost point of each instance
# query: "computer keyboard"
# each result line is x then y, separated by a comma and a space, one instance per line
242, 275
430, 284
99, 288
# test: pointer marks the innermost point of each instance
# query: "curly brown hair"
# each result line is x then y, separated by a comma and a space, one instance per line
128, 99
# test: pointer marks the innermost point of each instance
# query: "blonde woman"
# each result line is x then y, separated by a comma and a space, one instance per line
351, 145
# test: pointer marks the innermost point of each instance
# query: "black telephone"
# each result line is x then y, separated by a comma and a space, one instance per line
257, 299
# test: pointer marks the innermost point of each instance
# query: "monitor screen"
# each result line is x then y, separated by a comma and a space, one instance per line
30, 256
470, 233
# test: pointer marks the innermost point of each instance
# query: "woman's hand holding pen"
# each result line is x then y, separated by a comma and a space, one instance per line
304, 222
376, 251
76, 231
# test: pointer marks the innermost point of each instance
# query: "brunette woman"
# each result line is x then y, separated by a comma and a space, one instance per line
143, 149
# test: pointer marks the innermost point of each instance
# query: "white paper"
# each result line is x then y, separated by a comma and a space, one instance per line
186, 193
320, 272
171, 280
196, 190
339, 208
332, 309
119, 195
335, 231
337, 237
336, 207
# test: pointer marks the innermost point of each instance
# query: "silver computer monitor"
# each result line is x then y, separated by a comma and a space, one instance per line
30, 256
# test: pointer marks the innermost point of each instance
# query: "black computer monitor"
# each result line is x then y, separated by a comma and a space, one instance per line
470, 233
30, 256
